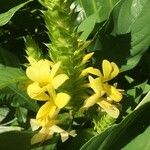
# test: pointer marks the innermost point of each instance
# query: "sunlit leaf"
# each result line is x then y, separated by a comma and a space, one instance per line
96, 11
10, 75
5, 17
142, 141
144, 101
132, 16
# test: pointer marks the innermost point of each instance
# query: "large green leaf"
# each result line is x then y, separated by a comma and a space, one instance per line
87, 26
10, 75
5, 17
96, 11
132, 16
91, 6
140, 142
108, 139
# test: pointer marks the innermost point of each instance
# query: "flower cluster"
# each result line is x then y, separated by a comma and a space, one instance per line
104, 94
65, 84
46, 79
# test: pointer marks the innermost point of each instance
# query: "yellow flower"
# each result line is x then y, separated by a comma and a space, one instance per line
104, 94
47, 119
45, 77
110, 70
97, 98
47, 114
47, 133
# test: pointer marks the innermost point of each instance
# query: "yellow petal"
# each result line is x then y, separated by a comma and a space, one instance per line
51, 91
115, 70
90, 101
73, 133
62, 100
43, 135
96, 85
34, 124
107, 69
64, 135
39, 72
47, 111
56, 129
37, 138
36, 92
59, 80
87, 57
55, 69
111, 110
91, 70
113, 93
52, 122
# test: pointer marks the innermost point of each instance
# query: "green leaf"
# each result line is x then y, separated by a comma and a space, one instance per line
10, 75
4, 129
132, 16
108, 139
144, 101
95, 142
5, 17
22, 99
92, 6
3, 113
137, 91
7, 58
21, 114
87, 26
140, 142
96, 11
